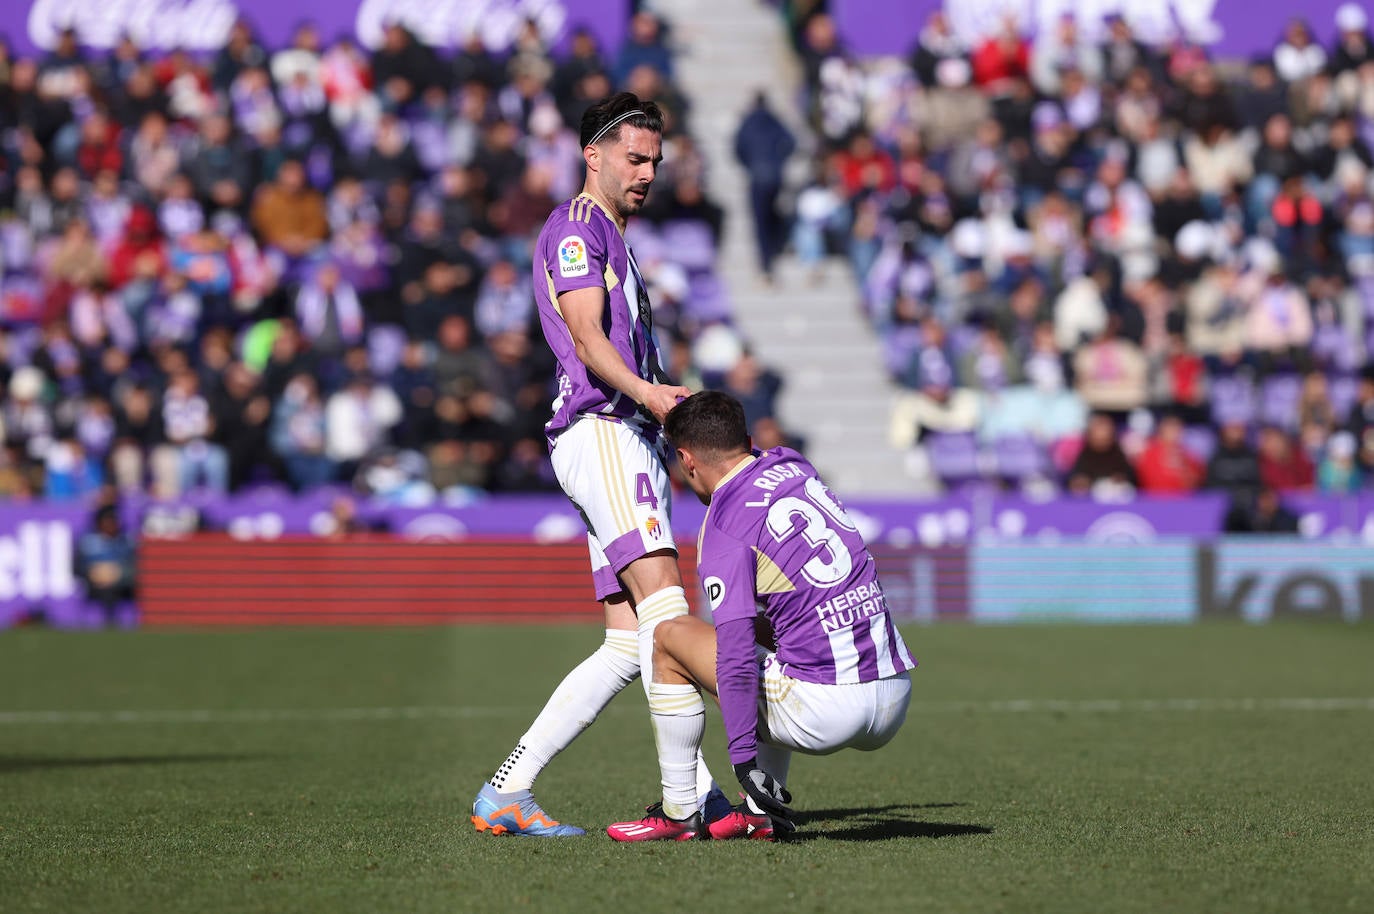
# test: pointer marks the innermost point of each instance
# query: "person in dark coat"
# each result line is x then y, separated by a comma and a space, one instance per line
763, 145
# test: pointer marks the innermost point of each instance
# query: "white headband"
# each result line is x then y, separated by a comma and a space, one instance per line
604, 130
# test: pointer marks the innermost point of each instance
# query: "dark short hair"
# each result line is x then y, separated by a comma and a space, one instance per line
710, 423
649, 117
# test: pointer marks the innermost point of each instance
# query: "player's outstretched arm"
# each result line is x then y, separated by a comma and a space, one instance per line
583, 310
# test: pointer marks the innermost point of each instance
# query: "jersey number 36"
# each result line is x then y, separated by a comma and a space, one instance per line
817, 511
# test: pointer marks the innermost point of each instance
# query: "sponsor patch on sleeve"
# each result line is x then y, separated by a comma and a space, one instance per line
572, 257
715, 591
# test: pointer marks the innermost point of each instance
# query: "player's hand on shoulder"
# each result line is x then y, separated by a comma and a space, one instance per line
659, 399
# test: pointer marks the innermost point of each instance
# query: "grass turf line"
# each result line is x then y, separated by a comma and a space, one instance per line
1132, 810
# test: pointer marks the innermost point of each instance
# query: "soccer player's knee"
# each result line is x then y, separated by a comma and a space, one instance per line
666, 635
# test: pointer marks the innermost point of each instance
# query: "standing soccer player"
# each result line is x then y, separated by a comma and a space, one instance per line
775, 544
606, 450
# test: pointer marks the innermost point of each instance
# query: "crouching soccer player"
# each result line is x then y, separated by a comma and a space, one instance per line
775, 544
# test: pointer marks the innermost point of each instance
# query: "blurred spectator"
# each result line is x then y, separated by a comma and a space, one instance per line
1101, 467
940, 58
403, 67
1339, 472
755, 386
357, 421
1234, 466
504, 301
1278, 321
1353, 46
1112, 372
190, 457
290, 216
243, 413
218, 165
69, 472
1283, 466
763, 145
298, 434
1060, 51
106, 564
329, 312
1165, 466
1267, 515
1298, 56
644, 46
1001, 58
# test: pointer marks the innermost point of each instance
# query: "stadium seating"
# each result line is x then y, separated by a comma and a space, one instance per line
1179, 225
158, 230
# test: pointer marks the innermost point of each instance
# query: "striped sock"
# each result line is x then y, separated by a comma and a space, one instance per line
679, 719
667, 603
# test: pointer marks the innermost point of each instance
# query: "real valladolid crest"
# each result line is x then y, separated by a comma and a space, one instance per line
202, 25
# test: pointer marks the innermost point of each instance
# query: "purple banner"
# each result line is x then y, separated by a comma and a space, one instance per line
203, 25
37, 548
919, 543
1231, 28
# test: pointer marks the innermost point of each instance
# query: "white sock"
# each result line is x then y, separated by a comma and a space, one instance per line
679, 718
668, 603
571, 709
775, 760
705, 783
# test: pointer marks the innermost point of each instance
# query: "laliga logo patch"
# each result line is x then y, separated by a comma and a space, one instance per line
572, 257
715, 591
652, 525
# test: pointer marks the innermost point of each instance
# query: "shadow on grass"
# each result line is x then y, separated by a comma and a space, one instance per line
899, 820
16, 763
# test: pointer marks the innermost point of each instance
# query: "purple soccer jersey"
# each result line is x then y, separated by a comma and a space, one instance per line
580, 248
777, 543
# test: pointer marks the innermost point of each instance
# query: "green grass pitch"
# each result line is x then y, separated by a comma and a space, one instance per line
1056, 769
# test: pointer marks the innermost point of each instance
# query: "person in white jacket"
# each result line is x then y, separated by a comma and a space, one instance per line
357, 419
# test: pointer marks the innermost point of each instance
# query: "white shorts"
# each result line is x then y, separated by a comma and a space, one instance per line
618, 482
819, 719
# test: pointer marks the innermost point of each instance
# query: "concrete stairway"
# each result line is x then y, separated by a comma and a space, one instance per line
805, 327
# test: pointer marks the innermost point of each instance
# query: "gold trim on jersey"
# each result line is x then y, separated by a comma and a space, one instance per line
612, 280
578, 210
769, 578
553, 296
613, 474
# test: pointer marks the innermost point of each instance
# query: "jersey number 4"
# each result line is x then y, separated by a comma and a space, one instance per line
817, 511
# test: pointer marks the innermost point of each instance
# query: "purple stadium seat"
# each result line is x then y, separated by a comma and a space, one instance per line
954, 455
1200, 441
1335, 348
1019, 456
899, 345
385, 343
1233, 400
688, 242
643, 238
707, 299
1343, 389
1279, 397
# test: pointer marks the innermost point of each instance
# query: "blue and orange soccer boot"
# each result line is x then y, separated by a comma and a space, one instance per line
656, 826
516, 813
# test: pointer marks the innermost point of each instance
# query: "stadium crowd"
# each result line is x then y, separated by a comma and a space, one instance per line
1099, 264
310, 264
